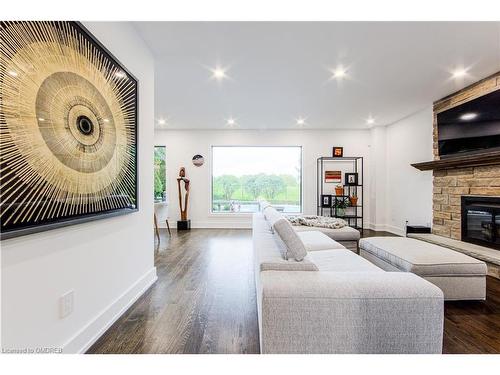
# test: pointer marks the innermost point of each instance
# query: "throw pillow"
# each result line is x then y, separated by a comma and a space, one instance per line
295, 246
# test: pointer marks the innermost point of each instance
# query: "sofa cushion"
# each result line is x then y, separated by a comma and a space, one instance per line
295, 246
263, 205
316, 240
269, 250
422, 258
341, 260
271, 214
342, 234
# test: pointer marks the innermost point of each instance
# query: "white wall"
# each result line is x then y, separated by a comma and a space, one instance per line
378, 168
408, 190
394, 190
182, 145
107, 263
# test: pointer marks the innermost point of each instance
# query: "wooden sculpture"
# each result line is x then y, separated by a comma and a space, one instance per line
182, 178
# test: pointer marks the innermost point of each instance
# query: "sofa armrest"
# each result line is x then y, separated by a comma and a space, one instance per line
371, 312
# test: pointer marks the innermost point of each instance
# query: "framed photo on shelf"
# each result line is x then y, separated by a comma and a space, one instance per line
326, 200
351, 178
338, 152
333, 177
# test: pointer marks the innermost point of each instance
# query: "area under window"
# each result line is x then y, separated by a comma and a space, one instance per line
242, 175
160, 174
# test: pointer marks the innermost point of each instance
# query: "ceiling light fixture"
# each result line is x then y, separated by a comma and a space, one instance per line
458, 73
219, 73
162, 121
370, 121
301, 121
468, 116
13, 73
339, 72
41, 119
231, 121
105, 120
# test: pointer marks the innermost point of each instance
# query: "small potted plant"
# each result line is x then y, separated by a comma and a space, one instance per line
340, 206
354, 200
339, 190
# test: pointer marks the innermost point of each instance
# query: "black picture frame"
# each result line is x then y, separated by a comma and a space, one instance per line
326, 200
337, 152
351, 179
133, 99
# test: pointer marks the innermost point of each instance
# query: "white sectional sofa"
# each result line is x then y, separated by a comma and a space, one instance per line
334, 301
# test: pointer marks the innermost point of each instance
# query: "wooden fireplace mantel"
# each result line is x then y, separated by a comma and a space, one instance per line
489, 158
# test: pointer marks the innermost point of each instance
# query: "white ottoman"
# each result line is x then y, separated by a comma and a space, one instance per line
459, 276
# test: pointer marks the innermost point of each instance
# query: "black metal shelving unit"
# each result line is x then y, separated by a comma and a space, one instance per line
352, 214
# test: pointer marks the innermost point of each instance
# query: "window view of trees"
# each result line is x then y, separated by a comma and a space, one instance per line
233, 190
160, 178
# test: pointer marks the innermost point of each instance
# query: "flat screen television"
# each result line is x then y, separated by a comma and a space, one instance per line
470, 128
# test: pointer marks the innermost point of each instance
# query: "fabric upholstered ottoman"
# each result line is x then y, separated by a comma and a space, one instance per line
459, 276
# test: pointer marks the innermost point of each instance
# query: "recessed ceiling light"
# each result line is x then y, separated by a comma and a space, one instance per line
339, 72
301, 121
458, 73
370, 121
41, 119
231, 121
120, 74
468, 116
219, 73
13, 73
162, 121
105, 120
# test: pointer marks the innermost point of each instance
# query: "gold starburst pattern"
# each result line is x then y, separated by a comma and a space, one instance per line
67, 126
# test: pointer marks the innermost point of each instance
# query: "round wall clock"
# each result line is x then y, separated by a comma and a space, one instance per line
198, 160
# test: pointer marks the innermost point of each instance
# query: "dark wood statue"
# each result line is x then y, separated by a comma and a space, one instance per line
182, 178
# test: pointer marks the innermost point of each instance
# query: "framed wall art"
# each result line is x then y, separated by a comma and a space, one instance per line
326, 200
337, 152
68, 122
333, 177
351, 178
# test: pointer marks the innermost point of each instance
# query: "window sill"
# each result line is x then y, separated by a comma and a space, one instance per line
246, 214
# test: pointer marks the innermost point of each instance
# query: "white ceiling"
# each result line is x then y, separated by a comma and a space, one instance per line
279, 71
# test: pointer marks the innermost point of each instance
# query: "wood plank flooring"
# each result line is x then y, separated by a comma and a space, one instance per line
204, 302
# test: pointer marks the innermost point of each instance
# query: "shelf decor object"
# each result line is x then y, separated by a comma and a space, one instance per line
337, 152
346, 202
333, 177
339, 190
326, 200
68, 125
351, 178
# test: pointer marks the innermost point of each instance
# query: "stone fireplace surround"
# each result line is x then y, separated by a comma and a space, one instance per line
449, 185
458, 176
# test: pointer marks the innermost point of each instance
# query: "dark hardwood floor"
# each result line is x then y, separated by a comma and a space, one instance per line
204, 302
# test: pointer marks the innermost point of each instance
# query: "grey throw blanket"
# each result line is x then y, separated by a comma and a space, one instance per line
317, 221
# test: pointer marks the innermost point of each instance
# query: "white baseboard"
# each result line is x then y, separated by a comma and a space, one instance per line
212, 225
89, 334
386, 228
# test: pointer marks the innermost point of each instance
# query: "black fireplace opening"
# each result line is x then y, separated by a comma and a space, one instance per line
481, 220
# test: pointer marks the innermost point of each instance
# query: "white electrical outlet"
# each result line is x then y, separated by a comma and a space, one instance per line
66, 304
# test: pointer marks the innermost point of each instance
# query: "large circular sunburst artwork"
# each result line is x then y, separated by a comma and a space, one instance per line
68, 121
